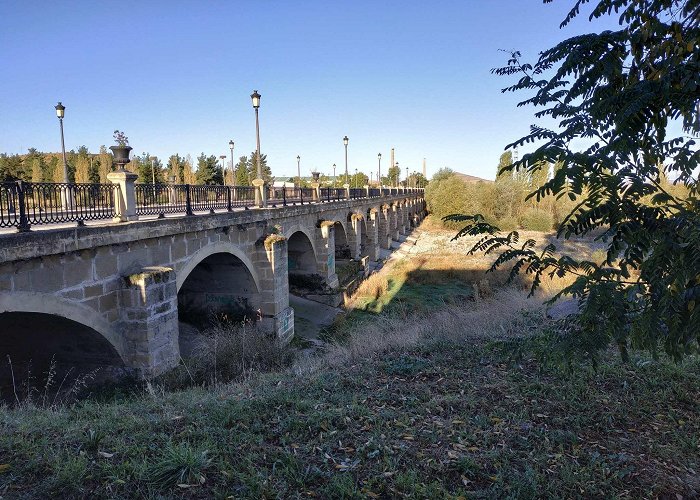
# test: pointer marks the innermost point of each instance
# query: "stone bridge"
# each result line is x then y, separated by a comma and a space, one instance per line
111, 295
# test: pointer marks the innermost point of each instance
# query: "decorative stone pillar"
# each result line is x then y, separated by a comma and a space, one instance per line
325, 252
272, 266
347, 191
261, 191
125, 196
366, 190
316, 194
148, 311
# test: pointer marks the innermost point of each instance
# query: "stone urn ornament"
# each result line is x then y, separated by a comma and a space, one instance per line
122, 150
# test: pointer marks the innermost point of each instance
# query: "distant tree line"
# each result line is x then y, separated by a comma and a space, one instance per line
505, 203
86, 167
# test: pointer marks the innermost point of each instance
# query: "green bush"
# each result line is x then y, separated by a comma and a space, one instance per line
537, 220
507, 223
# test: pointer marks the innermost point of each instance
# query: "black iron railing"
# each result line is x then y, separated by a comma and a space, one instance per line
161, 199
24, 204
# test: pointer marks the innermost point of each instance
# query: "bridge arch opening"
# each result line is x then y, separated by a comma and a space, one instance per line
300, 254
342, 247
220, 287
42, 345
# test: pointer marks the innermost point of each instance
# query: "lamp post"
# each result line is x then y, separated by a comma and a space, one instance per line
233, 180
379, 170
153, 176
299, 170
334, 175
258, 183
406, 176
355, 177
398, 174
60, 113
345, 142
223, 167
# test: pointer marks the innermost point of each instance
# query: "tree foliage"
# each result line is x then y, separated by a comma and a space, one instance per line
632, 95
209, 170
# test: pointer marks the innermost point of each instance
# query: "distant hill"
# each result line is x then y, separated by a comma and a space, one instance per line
471, 178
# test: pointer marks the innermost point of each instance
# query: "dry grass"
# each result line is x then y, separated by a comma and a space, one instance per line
499, 317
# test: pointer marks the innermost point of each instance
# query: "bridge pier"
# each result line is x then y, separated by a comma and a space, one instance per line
373, 235
384, 228
355, 236
394, 222
276, 315
149, 321
325, 249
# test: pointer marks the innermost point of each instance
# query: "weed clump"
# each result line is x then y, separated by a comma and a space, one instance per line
226, 353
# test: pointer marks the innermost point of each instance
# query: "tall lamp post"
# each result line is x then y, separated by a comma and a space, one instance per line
299, 170
379, 170
398, 174
66, 195
258, 183
153, 176
233, 180
223, 166
334, 175
60, 113
355, 177
406, 176
345, 142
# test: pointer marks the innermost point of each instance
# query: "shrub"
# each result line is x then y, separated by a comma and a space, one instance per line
537, 220
507, 223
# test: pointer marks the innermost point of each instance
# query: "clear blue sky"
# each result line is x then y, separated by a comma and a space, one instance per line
177, 76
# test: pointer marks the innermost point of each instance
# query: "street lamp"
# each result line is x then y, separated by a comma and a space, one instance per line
259, 200
355, 177
345, 142
153, 176
60, 113
406, 176
223, 166
379, 170
298, 170
334, 175
233, 181
398, 173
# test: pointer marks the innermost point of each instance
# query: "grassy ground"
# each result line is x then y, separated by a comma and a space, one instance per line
426, 404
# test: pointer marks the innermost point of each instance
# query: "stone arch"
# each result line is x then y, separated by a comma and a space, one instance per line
219, 281
204, 252
298, 228
55, 339
342, 241
301, 253
29, 302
